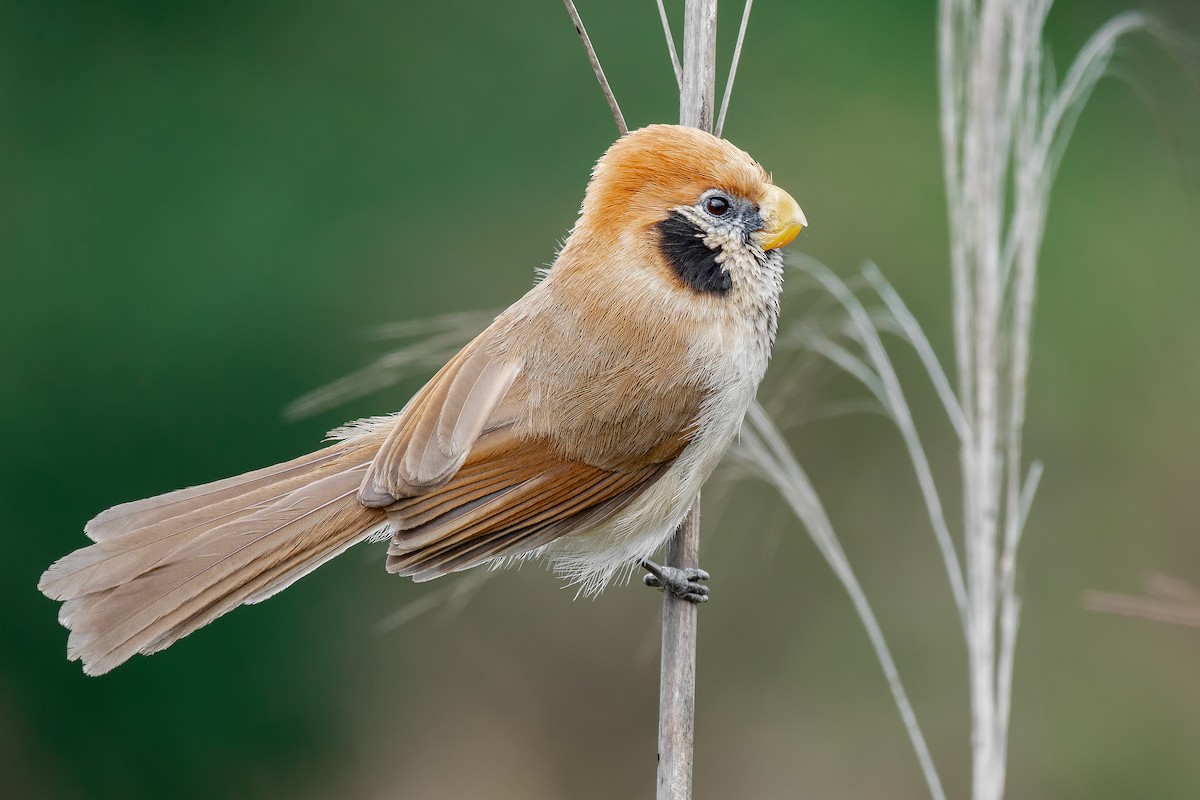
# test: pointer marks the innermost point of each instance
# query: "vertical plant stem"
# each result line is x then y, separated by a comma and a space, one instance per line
677, 687
1004, 125
699, 64
677, 684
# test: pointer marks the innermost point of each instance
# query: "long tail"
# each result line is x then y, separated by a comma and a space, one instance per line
163, 567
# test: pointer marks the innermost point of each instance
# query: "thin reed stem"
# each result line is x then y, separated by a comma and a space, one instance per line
618, 117
677, 687
733, 65
662, 14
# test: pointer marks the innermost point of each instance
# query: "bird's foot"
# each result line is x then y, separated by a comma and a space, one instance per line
683, 583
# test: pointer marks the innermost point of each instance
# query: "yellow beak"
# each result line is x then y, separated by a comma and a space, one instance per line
782, 218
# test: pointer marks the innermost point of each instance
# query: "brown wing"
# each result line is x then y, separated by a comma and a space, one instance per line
472, 470
436, 430
511, 496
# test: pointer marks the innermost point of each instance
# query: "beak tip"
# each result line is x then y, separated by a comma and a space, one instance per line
784, 219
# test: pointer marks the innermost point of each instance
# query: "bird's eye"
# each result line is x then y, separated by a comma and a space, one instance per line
716, 205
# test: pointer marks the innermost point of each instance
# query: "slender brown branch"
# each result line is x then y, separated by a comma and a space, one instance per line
737, 55
596, 68
677, 687
662, 14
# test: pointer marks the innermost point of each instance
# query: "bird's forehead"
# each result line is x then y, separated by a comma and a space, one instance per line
674, 165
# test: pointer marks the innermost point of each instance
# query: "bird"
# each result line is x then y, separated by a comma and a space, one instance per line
578, 427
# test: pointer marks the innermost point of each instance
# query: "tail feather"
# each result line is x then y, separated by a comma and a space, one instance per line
115, 560
138, 514
237, 541
341, 526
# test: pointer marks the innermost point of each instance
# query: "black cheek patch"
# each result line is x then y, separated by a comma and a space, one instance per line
682, 244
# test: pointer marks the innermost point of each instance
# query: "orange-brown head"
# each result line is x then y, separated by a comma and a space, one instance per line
691, 197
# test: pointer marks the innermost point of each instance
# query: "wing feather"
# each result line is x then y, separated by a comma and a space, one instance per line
434, 434
513, 496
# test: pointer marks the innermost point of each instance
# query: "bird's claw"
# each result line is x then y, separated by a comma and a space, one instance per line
683, 583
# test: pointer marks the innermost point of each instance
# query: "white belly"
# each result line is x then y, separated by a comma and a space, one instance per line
614, 549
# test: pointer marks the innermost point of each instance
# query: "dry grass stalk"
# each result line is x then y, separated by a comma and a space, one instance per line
618, 117
1004, 128
1165, 599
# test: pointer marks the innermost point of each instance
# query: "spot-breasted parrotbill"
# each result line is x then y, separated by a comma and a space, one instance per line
579, 426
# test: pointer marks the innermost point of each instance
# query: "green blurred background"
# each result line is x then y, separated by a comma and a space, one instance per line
204, 205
